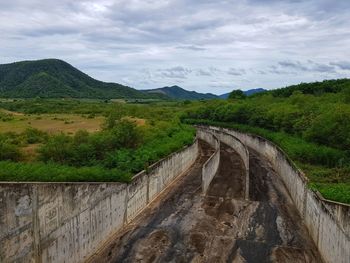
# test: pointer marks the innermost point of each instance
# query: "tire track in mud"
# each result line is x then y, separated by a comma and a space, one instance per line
182, 225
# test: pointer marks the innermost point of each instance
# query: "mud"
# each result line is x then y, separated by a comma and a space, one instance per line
182, 225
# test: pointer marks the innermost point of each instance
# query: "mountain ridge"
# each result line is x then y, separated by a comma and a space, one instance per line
176, 92
54, 78
246, 92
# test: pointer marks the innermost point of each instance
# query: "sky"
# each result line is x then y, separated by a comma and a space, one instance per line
207, 46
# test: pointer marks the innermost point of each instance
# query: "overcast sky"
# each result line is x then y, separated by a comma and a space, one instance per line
208, 46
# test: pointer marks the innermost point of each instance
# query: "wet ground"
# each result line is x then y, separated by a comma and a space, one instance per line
182, 225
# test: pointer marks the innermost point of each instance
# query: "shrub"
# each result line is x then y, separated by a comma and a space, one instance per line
57, 149
9, 152
32, 135
51, 172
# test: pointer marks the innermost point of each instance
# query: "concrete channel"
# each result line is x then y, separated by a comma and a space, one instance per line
183, 225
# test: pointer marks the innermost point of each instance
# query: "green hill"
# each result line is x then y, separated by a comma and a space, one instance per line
53, 78
175, 92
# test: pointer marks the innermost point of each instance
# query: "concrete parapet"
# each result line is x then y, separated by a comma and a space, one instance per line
67, 222
231, 141
211, 166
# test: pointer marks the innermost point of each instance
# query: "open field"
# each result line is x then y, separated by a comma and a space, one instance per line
85, 140
51, 123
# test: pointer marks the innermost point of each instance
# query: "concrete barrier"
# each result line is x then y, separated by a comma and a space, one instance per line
211, 166
242, 151
328, 222
67, 222
235, 144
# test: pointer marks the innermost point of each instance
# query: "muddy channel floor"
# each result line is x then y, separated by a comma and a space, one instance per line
182, 225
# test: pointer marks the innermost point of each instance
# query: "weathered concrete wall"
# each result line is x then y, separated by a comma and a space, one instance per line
16, 223
211, 166
235, 144
327, 221
67, 222
49, 222
145, 187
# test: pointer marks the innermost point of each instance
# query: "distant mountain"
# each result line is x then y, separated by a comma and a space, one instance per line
247, 92
224, 96
253, 91
53, 78
175, 92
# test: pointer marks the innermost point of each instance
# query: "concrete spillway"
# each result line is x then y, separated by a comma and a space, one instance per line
183, 225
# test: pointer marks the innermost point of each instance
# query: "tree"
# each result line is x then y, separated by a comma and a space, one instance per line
236, 94
112, 119
126, 134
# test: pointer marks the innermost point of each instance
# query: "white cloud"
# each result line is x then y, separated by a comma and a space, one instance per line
205, 45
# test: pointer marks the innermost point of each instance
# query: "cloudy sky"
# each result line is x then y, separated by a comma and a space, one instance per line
208, 46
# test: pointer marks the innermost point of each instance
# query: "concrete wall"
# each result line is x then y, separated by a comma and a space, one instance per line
327, 221
235, 144
211, 166
66, 222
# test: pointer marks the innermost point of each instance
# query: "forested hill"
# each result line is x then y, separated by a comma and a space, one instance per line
53, 78
314, 88
175, 92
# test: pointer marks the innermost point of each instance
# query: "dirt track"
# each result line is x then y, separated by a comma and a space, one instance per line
184, 226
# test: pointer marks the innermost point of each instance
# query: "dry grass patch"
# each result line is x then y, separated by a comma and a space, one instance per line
30, 152
52, 123
137, 121
13, 113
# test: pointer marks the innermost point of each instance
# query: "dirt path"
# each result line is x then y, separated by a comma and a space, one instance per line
184, 226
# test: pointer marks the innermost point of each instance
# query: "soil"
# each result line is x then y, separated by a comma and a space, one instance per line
183, 225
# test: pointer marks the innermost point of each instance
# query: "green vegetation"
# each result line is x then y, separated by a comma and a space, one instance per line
5, 117
311, 122
52, 78
315, 88
236, 94
51, 172
158, 109
297, 148
125, 145
102, 156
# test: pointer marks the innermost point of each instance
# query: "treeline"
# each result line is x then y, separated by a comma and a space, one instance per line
297, 148
321, 119
152, 110
314, 88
